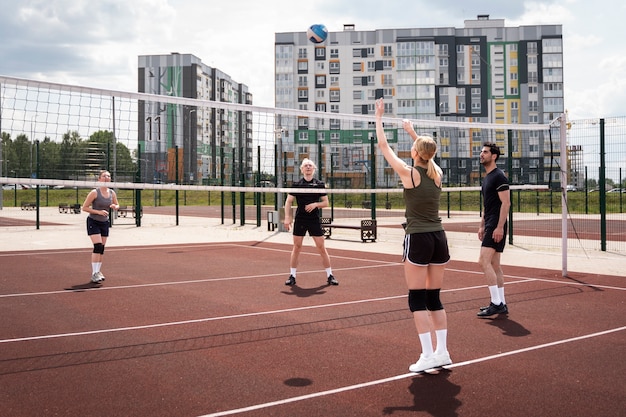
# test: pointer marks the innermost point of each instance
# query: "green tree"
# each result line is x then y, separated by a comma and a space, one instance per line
124, 166
69, 152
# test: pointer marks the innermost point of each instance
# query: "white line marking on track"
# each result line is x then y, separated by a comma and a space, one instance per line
403, 376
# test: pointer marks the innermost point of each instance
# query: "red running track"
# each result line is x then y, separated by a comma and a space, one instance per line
210, 329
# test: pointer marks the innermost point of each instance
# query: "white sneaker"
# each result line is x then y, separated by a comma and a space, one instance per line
95, 278
101, 276
424, 363
443, 359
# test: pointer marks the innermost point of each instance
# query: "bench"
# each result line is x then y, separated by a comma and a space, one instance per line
69, 208
28, 206
368, 228
124, 210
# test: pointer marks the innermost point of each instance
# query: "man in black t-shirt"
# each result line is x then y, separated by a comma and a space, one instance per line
493, 228
307, 219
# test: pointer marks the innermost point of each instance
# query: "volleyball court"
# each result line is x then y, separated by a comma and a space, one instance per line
209, 329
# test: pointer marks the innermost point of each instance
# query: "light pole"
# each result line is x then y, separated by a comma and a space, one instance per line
189, 177
32, 141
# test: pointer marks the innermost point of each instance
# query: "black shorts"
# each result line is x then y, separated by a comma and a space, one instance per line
95, 227
426, 248
488, 241
314, 227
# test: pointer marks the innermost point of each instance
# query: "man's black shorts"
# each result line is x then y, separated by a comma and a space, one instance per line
488, 241
314, 228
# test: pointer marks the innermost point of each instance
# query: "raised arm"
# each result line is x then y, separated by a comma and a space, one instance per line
398, 165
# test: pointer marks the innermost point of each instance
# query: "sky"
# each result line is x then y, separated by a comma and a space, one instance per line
96, 43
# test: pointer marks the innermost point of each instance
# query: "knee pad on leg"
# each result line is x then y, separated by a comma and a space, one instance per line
417, 300
433, 302
98, 248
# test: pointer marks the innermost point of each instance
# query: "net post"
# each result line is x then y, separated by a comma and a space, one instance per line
242, 195
37, 186
510, 169
258, 184
176, 181
373, 176
602, 187
564, 179
138, 190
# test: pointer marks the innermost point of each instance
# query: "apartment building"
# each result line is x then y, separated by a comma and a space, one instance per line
206, 140
484, 72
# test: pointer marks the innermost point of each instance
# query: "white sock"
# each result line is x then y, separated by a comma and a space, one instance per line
501, 292
292, 271
94, 267
329, 272
495, 294
426, 341
442, 341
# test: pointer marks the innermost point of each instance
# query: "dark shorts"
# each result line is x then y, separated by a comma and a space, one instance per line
314, 228
95, 227
488, 241
426, 248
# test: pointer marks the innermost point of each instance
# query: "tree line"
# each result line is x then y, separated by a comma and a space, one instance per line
74, 158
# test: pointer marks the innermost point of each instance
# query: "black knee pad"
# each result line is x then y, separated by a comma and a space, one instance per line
98, 248
433, 303
417, 300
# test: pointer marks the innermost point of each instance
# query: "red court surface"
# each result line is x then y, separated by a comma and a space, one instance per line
210, 330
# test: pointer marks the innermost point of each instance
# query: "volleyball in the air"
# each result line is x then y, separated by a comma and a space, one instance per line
317, 33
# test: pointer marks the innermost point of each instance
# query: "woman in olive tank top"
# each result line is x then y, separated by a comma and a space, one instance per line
425, 244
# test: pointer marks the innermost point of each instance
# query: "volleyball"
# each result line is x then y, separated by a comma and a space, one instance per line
317, 33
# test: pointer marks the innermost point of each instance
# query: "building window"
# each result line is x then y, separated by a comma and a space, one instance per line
335, 95
334, 68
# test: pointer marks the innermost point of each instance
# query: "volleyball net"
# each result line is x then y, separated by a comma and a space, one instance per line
64, 132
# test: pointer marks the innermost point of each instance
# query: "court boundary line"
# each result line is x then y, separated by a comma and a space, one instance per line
242, 315
407, 375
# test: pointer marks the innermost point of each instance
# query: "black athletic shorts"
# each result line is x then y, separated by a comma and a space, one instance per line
426, 248
488, 241
314, 228
95, 227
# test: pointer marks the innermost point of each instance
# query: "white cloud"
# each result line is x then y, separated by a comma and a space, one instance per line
97, 43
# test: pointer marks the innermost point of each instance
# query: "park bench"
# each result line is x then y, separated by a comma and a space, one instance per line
69, 208
28, 205
368, 228
124, 210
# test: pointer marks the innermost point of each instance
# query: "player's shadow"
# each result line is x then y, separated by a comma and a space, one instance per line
509, 327
305, 292
433, 394
82, 287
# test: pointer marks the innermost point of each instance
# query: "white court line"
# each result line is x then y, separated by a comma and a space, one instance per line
403, 376
235, 316
208, 319
202, 320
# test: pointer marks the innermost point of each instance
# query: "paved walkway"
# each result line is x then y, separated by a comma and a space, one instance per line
463, 246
